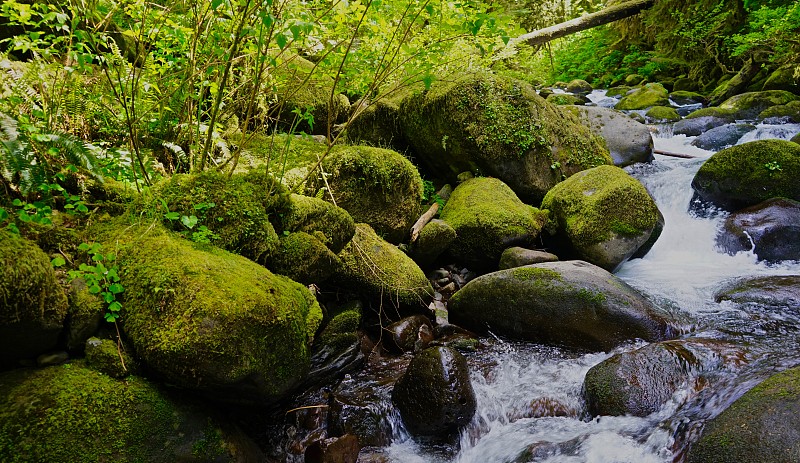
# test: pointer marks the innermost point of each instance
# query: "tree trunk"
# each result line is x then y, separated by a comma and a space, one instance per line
737, 83
610, 14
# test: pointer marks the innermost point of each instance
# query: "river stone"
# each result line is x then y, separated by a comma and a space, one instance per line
695, 126
604, 214
73, 413
435, 396
303, 258
404, 334
761, 426
434, 239
380, 271
500, 127
330, 224
34, 306
209, 320
747, 174
644, 97
627, 140
770, 229
749, 105
488, 218
517, 257
776, 291
358, 407
571, 303
722, 137
662, 114
342, 449
618, 91
579, 87
640, 382
337, 349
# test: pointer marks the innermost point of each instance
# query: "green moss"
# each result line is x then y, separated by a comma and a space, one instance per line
618, 91
790, 110
714, 112
85, 313
749, 105
340, 332
531, 273
205, 318
663, 114
303, 258
103, 355
644, 97
309, 215
562, 99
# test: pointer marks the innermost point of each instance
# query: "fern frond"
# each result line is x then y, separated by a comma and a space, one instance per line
75, 151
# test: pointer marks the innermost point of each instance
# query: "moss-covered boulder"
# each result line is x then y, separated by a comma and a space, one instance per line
789, 112
762, 425
488, 218
727, 114
105, 356
796, 138
337, 349
579, 87
640, 382
771, 230
206, 319
783, 78
84, 315
378, 123
749, 105
332, 225
434, 239
722, 137
627, 140
645, 97
500, 128
683, 97
73, 413
604, 214
34, 306
517, 257
237, 210
685, 84
747, 174
561, 99
776, 291
376, 186
662, 114
378, 270
303, 258
618, 91
570, 303
435, 396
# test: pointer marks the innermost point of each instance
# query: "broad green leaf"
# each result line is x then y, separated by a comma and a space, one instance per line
116, 288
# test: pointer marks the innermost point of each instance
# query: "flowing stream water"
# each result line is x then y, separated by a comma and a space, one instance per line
681, 272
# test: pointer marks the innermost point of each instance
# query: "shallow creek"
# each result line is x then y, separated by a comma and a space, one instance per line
681, 273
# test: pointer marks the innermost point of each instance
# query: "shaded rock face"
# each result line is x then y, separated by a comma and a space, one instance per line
747, 174
34, 306
627, 140
517, 257
303, 258
434, 239
696, 126
501, 128
722, 137
770, 229
487, 218
571, 303
342, 449
435, 396
640, 382
605, 215
337, 349
776, 291
762, 425
405, 334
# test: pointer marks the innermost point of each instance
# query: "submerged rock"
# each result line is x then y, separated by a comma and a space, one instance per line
770, 229
570, 303
604, 214
762, 425
776, 291
435, 396
627, 140
747, 174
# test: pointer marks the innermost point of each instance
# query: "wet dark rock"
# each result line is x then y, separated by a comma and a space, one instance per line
333, 450
435, 396
640, 382
517, 257
770, 229
761, 426
52, 358
777, 291
570, 303
337, 350
434, 238
358, 414
687, 98
405, 334
627, 140
722, 136
696, 126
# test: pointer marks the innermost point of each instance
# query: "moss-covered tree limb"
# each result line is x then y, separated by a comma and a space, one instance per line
610, 14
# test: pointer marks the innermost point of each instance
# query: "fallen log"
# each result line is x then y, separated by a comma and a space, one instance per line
674, 155
610, 14
423, 220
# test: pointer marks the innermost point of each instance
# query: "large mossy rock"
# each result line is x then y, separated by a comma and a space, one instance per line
640, 382
747, 174
378, 123
627, 140
604, 214
751, 104
645, 97
770, 229
579, 86
34, 306
783, 78
332, 225
434, 239
209, 320
789, 112
488, 218
238, 210
380, 271
377, 186
435, 396
761, 426
72, 413
569, 303
501, 128
303, 258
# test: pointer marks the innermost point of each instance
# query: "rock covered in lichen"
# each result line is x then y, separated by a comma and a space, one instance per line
488, 218
499, 127
627, 140
747, 174
34, 306
644, 97
73, 413
209, 320
603, 214
570, 303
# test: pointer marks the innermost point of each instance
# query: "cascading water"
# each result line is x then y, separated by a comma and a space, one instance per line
530, 406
